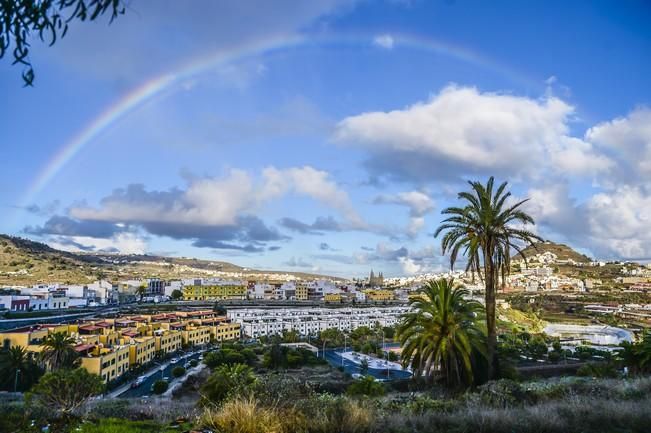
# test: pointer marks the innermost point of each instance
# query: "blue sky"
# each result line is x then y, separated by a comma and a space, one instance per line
331, 133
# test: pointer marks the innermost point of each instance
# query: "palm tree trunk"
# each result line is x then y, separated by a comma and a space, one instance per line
491, 342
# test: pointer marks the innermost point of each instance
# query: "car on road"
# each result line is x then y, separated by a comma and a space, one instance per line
174, 360
139, 381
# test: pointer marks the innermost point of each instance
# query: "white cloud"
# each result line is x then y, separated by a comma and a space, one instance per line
408, 266
220, 201
125, 243
630, 139
461, 131
619, 222
419, 205
384, 41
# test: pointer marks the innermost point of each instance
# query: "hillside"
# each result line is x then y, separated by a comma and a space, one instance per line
562, 251
25, 262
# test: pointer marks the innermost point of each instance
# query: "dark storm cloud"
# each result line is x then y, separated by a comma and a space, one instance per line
65, 226
320, 225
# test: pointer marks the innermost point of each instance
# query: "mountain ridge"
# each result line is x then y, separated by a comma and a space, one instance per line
24, 261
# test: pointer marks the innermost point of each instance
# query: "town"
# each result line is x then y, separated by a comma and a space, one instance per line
325, 216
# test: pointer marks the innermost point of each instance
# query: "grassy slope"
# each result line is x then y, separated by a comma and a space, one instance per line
563, 252
25, 262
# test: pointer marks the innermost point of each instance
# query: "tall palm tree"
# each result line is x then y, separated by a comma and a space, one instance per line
58, 351
485, 230
441, 332
18, 369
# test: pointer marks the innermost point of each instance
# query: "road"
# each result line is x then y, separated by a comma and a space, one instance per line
350, 367
152, 376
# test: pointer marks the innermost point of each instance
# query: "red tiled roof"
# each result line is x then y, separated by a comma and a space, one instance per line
83, 347
89, 328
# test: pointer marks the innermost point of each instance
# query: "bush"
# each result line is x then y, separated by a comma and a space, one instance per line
194, 363
178, 371
326, 413
227, 381
65, 391
501, 393
366, 386
242, 416
160, 386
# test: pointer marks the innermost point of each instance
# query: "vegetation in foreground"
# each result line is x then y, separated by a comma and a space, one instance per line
282, 404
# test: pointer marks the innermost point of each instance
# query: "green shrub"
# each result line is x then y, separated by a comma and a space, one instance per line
227, 381
194, 363
160, 386
178, 371
366, 386
501, 393
326, 413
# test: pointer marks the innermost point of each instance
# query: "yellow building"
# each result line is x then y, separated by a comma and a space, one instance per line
168, 341
379, 295
416, 295
141, 350
109, 364
206, 293
301, 292
226, 331
196, 335
332, 297
28, 337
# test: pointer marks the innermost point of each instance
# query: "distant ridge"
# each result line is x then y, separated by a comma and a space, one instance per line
23, 261
562, 251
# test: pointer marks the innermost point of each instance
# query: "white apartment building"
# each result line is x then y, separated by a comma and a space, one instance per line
257, 322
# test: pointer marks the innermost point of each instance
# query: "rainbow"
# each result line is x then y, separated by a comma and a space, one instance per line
157, 86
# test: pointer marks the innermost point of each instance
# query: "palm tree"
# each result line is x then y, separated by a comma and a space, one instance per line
18, 370
227, 380
441, 332
58, 351
485, 230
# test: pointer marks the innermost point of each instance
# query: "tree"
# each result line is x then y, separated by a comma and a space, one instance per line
49, 20
363, 367
636, 356
160, 386
178, 371
141, 291
66, 390
366, 386
441, 332
227, 380
219, 309
485, 230
59, 352
290, 336
177, 294
18, 369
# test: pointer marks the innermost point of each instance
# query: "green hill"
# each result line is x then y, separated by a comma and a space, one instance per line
26, 262
562, 251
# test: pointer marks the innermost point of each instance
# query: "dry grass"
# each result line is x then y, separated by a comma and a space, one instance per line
243, 415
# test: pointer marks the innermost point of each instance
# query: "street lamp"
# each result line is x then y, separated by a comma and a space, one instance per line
16, 380
342, 353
